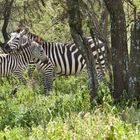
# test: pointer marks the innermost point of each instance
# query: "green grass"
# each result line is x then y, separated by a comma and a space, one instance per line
66, 114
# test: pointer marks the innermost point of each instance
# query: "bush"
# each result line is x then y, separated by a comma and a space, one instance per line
65, 114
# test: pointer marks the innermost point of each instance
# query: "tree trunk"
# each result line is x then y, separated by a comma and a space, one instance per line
6, 16
104, 21
75, 23
134, 79
119, 46
98, 30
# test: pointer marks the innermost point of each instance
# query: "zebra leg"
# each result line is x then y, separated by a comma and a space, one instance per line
47, 70
46, 87
18, 74
31, 68
47, 80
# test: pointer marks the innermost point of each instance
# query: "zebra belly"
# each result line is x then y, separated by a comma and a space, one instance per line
74, 69
70, 62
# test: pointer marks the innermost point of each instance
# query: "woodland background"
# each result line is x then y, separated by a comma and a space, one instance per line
74, 111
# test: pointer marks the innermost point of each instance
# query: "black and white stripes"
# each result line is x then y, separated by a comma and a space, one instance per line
43, 64
64, 59
16, 63
67, 58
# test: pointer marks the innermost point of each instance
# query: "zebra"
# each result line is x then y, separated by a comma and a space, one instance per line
43, 65
65, 58
15, 63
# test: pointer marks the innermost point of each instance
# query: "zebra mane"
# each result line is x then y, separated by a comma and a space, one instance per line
36, 38
19, 30
40, 40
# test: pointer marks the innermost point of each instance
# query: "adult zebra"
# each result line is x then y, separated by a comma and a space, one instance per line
15, 63
66, 58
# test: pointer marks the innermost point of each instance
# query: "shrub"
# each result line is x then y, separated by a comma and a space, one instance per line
65, 114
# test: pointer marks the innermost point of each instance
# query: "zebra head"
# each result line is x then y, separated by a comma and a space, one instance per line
38, 52
17, 40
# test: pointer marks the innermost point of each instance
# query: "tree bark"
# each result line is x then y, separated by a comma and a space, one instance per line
98, 30
6, 16
119, 46
104, 21
134, 79
75, 23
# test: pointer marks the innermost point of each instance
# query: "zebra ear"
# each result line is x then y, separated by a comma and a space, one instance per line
38, 40
25, 31
19, 30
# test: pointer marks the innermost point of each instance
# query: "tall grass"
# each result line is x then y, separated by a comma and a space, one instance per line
65, 114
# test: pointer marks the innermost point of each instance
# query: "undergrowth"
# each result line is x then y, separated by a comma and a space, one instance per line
65, 114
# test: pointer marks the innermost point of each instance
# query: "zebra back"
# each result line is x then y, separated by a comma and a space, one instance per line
67, 58
68, 66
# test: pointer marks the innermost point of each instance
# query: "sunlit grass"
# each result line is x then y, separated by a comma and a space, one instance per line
65, 114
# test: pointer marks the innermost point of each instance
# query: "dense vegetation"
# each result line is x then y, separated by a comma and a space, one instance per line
67, 113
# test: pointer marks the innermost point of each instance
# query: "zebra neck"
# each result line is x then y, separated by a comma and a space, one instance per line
26, 54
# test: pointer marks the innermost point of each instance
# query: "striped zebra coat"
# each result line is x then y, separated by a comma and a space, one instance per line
65, 58
43, 65
16, 63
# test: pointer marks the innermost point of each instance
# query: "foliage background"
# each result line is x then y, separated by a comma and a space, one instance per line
66, 113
